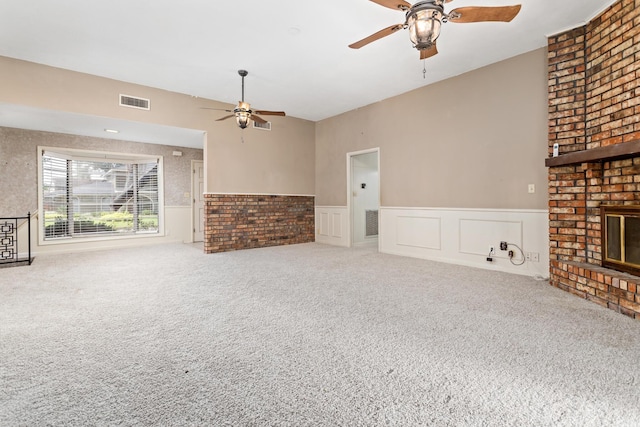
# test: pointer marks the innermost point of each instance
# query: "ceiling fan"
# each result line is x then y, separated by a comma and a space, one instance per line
243, 111
424, 19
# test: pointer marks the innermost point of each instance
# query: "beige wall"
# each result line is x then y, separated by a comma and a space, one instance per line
473, 141
277, 162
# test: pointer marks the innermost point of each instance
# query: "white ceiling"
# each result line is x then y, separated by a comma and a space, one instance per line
24, 117
296, 52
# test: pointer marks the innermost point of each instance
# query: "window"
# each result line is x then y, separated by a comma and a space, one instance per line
89, 194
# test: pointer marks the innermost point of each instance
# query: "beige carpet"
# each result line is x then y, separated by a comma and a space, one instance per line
304, 335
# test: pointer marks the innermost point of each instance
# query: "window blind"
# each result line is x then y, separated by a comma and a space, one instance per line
92, 194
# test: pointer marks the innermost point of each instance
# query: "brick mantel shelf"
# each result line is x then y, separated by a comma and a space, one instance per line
610, 152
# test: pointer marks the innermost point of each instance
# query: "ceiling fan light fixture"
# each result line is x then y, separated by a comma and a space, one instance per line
242, 117
424, 21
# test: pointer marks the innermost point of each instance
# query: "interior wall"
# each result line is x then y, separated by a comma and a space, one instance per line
19, 177
280, 161
473, 141
456, 162
19, 161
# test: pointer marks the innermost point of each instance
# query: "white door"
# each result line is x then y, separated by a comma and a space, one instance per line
197, 182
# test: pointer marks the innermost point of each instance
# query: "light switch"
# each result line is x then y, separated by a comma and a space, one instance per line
532, 188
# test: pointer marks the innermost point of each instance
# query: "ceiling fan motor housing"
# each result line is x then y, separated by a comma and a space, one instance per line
424, 20
243, 114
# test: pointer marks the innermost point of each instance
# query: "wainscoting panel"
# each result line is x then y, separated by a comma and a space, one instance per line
464, 236
331, 225
474, 233
418, 231
323, 224
336, 222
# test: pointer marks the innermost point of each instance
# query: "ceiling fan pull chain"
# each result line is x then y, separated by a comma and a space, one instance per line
424, 68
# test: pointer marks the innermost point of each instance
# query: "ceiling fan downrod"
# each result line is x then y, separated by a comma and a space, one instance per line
243, 74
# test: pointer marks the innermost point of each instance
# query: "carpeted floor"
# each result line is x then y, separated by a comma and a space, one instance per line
304, 335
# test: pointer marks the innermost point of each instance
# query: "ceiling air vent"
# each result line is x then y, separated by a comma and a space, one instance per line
263, 126
134, 102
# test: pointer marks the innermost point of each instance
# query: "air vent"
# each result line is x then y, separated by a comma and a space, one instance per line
263, 126
134, 102
371, 223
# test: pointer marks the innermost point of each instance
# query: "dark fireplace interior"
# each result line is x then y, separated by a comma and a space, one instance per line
621, 238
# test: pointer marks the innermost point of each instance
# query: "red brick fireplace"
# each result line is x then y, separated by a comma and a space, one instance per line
594, 118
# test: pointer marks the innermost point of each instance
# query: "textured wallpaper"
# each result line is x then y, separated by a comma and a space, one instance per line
19, 161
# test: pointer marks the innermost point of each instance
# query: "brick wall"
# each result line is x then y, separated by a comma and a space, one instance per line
594, 102
613, 79
240, 221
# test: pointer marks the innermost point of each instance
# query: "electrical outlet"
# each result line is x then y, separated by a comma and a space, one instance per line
532, 256
503, 246
491, 252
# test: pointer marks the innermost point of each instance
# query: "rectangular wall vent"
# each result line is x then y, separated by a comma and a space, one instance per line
134, 102
264, 126
371, 223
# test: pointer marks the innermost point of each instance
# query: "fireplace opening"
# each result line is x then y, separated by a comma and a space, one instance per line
621, 238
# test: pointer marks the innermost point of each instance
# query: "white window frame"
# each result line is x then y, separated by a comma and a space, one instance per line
98, 155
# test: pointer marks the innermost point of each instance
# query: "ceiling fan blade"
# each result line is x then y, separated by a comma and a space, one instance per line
270, 113
428, 53
484, 14
258, 119
225, 118
394, 4
373, 37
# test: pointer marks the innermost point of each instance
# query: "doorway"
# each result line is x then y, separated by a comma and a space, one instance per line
197, 192
363, 184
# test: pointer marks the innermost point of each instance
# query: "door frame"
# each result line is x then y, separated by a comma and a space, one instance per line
194, 188
350, 221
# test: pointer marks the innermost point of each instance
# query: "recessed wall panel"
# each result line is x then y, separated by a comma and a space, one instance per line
337, 225
417, 231
324, 224
476, 235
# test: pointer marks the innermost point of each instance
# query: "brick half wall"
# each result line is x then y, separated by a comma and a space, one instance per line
239, 221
